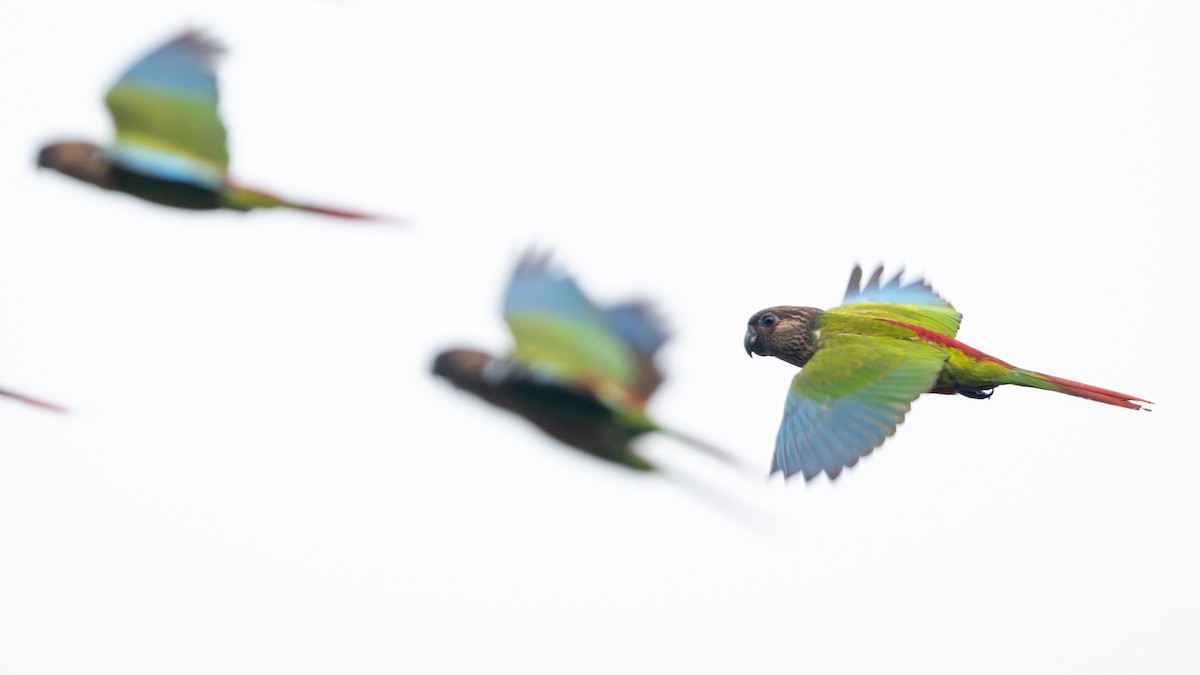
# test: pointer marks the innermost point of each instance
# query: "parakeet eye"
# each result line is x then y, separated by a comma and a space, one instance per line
767, 320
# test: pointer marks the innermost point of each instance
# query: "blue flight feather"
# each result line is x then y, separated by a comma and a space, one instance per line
830, 434
166, 165
636, 324
537, 287
184, 66
916, 292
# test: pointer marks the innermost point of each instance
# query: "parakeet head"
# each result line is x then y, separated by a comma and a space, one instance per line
463, 367
78, 159
784, 332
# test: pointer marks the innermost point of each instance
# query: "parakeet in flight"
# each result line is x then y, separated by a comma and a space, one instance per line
865, 361
170, 145
32, 401
580, 372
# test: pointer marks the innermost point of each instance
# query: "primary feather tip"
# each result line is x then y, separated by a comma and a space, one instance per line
916, 292
200, 43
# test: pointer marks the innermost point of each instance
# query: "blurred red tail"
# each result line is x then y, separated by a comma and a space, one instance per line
242, 198
345, 214
33, 401
713, 451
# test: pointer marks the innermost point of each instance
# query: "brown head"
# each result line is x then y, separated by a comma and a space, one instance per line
465, 368
784, 332
78, 159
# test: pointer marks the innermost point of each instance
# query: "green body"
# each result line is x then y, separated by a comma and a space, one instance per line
962, 365
865, 361
170, 145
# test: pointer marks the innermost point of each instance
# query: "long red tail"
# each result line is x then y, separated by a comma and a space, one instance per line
346, 214
32, 401
241, 198
713, 451
1093, 393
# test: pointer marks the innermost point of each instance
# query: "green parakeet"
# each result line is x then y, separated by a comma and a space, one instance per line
581, 372
865, 361
170, 145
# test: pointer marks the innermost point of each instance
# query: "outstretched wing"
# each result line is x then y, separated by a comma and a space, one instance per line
915, 302
848, 399
164, 108
559, 332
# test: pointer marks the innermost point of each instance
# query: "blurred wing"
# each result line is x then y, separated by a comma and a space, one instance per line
848, 399
643, 333
560, 333
164, 108
915, 302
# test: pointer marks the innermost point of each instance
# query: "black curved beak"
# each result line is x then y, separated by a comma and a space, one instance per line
749, 341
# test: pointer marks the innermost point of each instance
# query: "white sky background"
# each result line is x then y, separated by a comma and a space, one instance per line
259, 475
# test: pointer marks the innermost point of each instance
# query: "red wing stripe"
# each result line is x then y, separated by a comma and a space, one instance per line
947, 341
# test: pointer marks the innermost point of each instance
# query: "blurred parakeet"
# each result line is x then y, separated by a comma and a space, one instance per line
865, 361
31, 401
581, 372
170, 143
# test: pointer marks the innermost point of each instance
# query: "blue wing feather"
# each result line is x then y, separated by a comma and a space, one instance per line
917, 292
537, 287
164, 108
636, 324
184, 66
165, 165
914, 302
558, 329
821, 434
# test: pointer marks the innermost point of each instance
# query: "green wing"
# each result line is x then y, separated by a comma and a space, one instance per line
559, 333
914, 303
164, 108
848, 399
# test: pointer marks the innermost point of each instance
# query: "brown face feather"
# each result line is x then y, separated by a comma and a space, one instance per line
465, 369
79, 159
785, 332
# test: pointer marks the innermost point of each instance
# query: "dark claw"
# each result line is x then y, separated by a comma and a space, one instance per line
978, 393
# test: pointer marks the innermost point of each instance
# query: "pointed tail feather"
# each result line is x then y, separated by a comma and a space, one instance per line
242, 198
713, 451
33, 401
1090, 392
345, 214
720, 501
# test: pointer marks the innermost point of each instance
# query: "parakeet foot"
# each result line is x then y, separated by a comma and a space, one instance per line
978, 393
